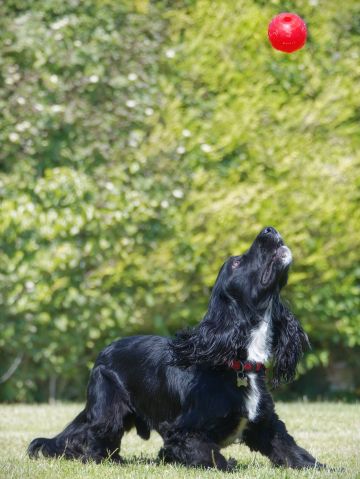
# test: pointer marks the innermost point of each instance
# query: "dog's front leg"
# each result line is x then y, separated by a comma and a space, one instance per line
270, 437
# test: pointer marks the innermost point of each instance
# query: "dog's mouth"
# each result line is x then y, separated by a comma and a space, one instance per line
280, 260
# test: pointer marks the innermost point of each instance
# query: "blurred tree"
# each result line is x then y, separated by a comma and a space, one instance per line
144, 142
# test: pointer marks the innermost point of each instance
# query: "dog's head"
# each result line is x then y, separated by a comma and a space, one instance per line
243, 290
254, 277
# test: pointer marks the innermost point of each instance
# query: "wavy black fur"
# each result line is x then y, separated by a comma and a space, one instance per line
184, 388
289, 343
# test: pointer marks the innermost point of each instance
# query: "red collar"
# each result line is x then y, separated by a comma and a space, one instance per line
246, 366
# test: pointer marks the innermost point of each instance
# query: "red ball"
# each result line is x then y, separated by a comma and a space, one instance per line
287, 32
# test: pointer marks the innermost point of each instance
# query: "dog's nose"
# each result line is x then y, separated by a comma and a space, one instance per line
271, 234
270, 230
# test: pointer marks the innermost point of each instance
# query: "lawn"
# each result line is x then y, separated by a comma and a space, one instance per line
329, 431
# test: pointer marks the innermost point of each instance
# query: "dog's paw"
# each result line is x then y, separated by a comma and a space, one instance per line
231, 464
115, 459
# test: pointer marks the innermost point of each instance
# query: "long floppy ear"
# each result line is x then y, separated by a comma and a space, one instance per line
220, 337
289, 343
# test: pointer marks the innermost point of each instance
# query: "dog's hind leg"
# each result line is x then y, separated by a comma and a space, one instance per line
192, 448
107, 406
95, 434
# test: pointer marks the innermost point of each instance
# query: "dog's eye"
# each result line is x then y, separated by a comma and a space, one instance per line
236, 263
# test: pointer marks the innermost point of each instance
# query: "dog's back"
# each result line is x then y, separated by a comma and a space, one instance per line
131, 385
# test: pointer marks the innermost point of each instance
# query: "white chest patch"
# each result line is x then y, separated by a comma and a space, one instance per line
259, 345
258, 350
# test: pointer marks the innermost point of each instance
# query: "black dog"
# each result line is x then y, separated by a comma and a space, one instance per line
206, 388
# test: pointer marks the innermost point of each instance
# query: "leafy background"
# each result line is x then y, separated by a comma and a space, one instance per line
144, 142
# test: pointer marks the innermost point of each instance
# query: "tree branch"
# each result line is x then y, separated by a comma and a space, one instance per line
11, 369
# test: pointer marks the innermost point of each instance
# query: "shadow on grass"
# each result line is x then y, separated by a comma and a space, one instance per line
156, 462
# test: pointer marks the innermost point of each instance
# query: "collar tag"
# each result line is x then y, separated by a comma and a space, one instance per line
241, 379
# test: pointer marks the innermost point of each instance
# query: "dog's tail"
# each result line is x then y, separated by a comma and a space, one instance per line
59, 445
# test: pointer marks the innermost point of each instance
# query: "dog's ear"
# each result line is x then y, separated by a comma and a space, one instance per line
216, 341
289, 343
220, 337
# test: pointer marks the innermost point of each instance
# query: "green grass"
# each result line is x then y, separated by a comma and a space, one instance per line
331, 432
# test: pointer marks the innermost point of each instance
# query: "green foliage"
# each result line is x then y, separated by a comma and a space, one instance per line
275, 141
143, 143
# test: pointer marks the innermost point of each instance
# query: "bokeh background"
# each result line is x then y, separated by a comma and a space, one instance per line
144, 142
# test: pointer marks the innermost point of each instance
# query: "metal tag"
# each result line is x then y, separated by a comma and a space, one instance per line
241, 381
